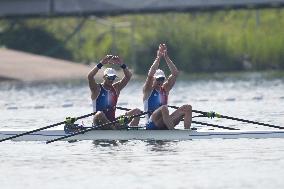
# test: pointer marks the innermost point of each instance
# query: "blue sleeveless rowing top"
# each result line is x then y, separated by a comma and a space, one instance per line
106, 102
155, 100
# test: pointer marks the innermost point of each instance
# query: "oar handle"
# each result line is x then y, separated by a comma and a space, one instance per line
92, 128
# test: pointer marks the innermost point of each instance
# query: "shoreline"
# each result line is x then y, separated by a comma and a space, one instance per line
27, 67
17, 66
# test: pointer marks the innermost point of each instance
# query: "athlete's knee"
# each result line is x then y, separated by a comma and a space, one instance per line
186, 108
164, 108
137, 111
133, 112
99, 115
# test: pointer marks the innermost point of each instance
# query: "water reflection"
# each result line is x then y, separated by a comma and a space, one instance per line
109, 143
162, 145
152, 145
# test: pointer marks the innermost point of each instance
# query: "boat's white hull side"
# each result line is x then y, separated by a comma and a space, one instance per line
145, 135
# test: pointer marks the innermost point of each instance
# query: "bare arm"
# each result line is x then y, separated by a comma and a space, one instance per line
127, 76
92, 82
149, 81
168, 85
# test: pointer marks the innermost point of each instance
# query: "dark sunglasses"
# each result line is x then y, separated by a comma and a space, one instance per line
112, 78
160, 79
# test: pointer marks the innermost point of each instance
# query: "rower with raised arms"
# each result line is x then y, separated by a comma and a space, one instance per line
105, 95
155, 96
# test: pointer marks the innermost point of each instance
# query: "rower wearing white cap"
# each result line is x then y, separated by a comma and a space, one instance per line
104, 96
155, 96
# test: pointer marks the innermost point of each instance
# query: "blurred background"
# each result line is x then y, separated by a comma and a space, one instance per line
202, 36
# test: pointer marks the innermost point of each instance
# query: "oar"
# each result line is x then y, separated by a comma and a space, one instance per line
50, 126
213, 114
42, 128
213, 125
121, 108
93, 128
196, 122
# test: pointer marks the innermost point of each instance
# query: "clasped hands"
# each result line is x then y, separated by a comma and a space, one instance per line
162, 51
111, 59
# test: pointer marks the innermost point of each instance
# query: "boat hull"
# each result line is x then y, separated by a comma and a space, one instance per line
145, 135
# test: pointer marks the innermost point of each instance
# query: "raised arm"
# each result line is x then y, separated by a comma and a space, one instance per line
127, 74
168, 85
92, 82
150, 77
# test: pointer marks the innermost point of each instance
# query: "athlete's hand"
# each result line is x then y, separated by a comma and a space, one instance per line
116, 60
165, 50
119, 61
160, 51
106, 59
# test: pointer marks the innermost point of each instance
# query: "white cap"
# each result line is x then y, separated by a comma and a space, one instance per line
110, 72
159, 73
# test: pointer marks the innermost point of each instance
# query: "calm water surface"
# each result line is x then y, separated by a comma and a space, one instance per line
217, 163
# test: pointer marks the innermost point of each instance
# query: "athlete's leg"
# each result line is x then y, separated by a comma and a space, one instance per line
100, 118
161, 118
134, 121
157, 119
185, 112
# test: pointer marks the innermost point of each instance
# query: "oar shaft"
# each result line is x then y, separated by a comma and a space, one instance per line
92, 128
252, 122
50, 126
213, 125
121, 108
43, 128
236, 119
196, 122
29, 132
79, 132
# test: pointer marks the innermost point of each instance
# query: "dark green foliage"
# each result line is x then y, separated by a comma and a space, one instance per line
197, 42
35, 40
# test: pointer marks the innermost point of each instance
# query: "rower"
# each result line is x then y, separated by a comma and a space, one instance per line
155, 96
105, 95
